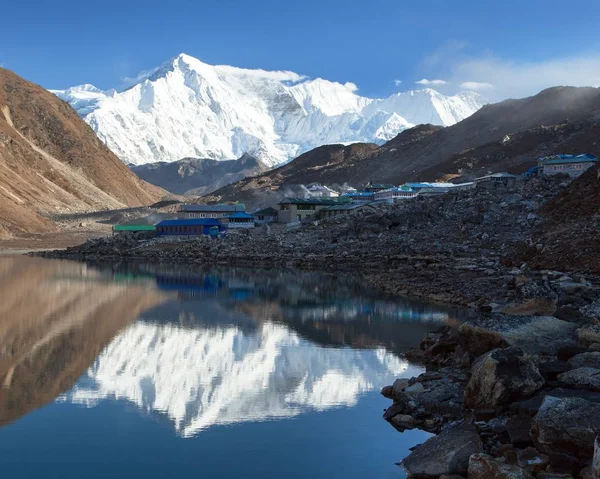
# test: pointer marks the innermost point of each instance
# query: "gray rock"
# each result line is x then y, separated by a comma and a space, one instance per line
446, 453
592, 310
567, 425
534, 334
583, 378
483, 466
502, 376
585, 360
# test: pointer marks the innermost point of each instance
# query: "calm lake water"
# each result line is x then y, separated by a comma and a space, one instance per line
163, 371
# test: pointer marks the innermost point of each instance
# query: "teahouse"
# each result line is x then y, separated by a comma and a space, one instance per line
266, 215
298, 209
211, 211
572, 165
189, 227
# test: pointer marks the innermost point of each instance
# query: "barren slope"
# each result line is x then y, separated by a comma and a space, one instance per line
51, 162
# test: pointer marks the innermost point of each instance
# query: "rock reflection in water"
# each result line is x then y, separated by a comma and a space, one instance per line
55, 318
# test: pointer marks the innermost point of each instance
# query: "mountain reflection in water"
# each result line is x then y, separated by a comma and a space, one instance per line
208, 347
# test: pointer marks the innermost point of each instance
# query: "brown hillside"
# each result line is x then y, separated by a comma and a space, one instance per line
52, 162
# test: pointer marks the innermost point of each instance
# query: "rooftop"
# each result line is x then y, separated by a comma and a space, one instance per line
266, 212
310, 201
497, 175
568, 159
190, 222
223, 208
241, 214
144, 227
358, 193
345, 206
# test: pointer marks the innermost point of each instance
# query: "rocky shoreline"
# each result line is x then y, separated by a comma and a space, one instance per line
514, 392
508, 397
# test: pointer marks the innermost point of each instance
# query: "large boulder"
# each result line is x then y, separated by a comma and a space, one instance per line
534, 334
502, 376
582, 378
447, 453
585, 360
483, 466
567, 425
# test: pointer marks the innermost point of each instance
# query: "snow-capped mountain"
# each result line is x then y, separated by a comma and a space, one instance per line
199, 377
187, 108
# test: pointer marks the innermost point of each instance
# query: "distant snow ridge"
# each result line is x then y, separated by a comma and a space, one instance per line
186, 108
203, 377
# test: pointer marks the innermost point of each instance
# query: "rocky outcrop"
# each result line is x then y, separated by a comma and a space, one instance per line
567, 425
535, 334
484, 466
585, 360
583, 378
447, 453
501, 376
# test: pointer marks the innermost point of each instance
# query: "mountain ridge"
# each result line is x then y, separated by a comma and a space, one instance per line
556, 118
198, 176
187, 108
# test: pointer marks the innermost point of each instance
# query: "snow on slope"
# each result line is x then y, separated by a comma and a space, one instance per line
203, 377
187, 108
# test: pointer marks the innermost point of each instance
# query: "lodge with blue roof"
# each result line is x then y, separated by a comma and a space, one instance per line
190, 227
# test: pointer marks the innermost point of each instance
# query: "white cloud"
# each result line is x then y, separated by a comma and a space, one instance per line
352, 87
127, 82
397, 82
282, 76
475, 85
425, 81
513, 79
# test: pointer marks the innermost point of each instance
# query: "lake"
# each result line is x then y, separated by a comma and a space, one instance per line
171, 371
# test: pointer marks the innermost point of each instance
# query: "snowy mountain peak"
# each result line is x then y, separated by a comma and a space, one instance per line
188, 108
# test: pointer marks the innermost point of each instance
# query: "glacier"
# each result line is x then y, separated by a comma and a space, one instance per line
187, 108
202, 377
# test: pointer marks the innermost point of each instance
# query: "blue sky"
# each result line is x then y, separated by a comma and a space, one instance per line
511, 49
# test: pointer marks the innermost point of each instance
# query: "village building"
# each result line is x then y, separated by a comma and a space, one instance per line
298, 209
359, 196
496, 180
572, 165
266, 215
320, 191
190, 227
133, 228
341, 209
397, 193
375, 187
192, 211
239, 220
